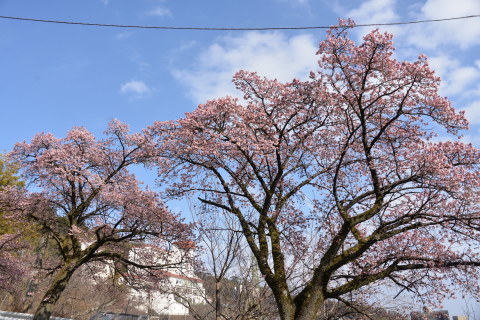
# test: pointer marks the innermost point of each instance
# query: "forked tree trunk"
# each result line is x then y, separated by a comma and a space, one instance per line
60, 281
286, 308
307, 308
309, 312
287, 313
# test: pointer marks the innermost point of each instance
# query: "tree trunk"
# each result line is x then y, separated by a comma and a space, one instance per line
60, 281
309, 313
305, 309
308, 308
286, 307
218, 302
287, 312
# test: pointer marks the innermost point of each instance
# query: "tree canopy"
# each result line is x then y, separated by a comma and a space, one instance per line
90, 205
10, 266
336, 182
9, 173
348, 180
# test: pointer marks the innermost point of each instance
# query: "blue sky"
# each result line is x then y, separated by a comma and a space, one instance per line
53, 77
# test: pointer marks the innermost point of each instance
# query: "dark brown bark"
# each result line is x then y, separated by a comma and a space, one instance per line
308, 308
285, 305
303, 307
60, 281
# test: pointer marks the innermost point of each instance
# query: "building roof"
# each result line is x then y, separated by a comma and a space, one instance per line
174, 275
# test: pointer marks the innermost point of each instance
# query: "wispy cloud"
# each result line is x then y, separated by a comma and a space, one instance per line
160, 12
123, 35
136, 87
379, 11
442, 42
269, 54
105, 2
373, 11
464, 33
457, 78
472, 112
296, 2
141, 63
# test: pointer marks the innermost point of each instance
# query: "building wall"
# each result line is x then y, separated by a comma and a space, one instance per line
171, 298
178, 286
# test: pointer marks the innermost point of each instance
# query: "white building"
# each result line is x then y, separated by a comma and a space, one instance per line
184, 292
173, 289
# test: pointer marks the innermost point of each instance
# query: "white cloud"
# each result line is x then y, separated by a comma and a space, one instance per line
122, 35
135, 87
374, 11
456, 78
461, 82
378, 11
269, 54
296, 2
443, 64
452, 46
186, 46
139, 60
472, 112
160, 12
464, 33
461, 79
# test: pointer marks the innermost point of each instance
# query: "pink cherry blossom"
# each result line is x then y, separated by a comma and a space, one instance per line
335, 181
85, 199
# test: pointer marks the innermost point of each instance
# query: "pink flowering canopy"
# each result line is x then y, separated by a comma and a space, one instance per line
84, 198
12, 268
336, 181
87, 182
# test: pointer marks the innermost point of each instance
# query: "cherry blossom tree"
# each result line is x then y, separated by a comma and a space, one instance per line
232, 288
89, 204
337, 182
11, 269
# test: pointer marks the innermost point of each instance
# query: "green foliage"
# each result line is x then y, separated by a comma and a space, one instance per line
8, 177
9, 174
